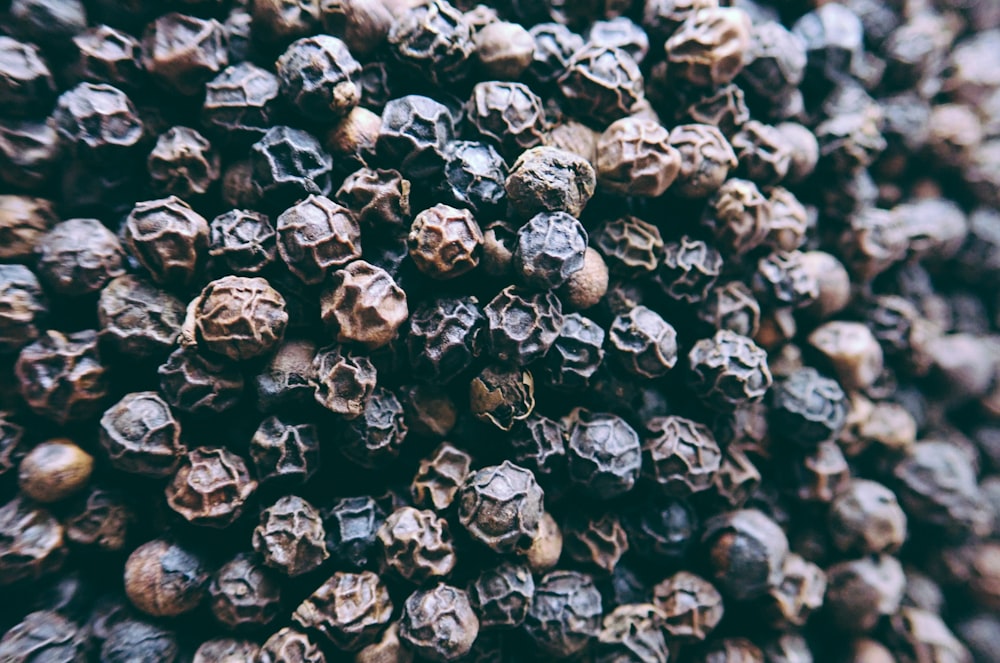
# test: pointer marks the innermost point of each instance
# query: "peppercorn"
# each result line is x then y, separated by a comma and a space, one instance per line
597, 541
285, 451
635, 158
587, 286
351, 526
861, 591
547, 179
26, 83
565, 614
226, 650
520, 326
290, 646
439, 477
168, 238
434, 40
164, 579
708, 47
415, 130
601, 84
183, 52
746, 550
508, 114
688, 269
33, 546
807, 408
23, 220
23, 307
364, 304
629, 245
643, 342
444, 242
60, 376
731, 306
500, 506
44, 635
690, 605
728, 370
29, 153
852, 351
632, 632
416, 545
919, 634
798, 595
681, 456
504, 50
575, 355
554, 46
739, 216
211, 487
387, 649
867, 519
79, 257
290, 536
139, 319
343, 381
315, 75
130, 639
550, 248
100, 518
289, 163
98, 120
439, 623
238, 317
54, 470
350, 609
603, 453
316, 235
379, 199
194, 383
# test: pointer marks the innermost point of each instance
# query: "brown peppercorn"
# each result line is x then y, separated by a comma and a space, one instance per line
54, 470
439, 623
61, 376
226, 650
629, 245
429, 410
644, 343
739, 216
867, 519
275, 21
821, 474
240, 103
789, 221
547, 179
183, 163
691, 607
632, 632
32, 546
731, 306
79, 257
290, 536
138, 318
833, 281
375, 438
862, 591
23, 221
706, 158
211, 487
343, 381
708, 48
500, 506
798, 595
387, 649
852, 351
364, 304
920, 635
289, 645
285, 451
239, 317
45, 635
315, 74
416, 545
597, 540
243, 241
520, 326
100, 518
681, 456
635, 158
380, 199
504, 49
164, 579
782, 281
746, 550
874, 241
316, 235
184, 52
168, 238
502, 395
362, 24
350, 609
445, 242
508, 114
728, 370
565, 615
688, 269
763, 155
194, 383
238, 187
141, 436
97, 120
23, 307
288, 377
601, 84
546, 549
439, 477
26, 83
586, 287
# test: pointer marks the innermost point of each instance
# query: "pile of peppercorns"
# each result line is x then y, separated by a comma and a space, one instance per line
622, 331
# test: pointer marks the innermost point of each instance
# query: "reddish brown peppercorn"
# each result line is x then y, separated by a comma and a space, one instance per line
289, 645
635, 158
61, 376
708, 48
445, 242
238, 317
23, 307
380, 199
165, 580
502, 396
54, 470
350, 609
138, 318
364, 304
211, 487
601, 84
23, 221
344, 381
729, 370
316, 235
739, 216
598, 541
183, 163
168, 238
141, 436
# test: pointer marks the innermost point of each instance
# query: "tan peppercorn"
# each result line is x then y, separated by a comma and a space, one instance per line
54, 470
239, 317
504, 49
635, 158
851, 349
440, 476
165, 580
833, 280
574, 137
23, 221
353, 137
445, 242
546, 548
587, 286
364, 304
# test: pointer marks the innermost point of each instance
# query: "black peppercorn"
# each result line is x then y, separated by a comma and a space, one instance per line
168, 238
688, 269
439, 477
343, 381
285, 451
364, 304
706, 158
26, 83
746, 550
240, 103
643, 342
739, 216
550, 249
474, 176
807, 408
229, 650
239, 317
415, 130
183, 52
350, 609
575, 355
375, 437
601, 84
317, 235
439, 623
861, 591
23, 307
416, 545
603, 452
44, 635
97, 119
315, 74
29, 153
509, 114
565, 614
164, 579
596, 541
194, 383
61, 376
351, 526
502, 395
289, 645
289, 163
211, 487
681, 456
709, 47
443, 337
502, 595
728, 370
183, 163
635, 158
445, 242
100, 518
866, 518
504, 50
290, 536
500, 506
660, 530
521, 327
79, 257
23, 220
379, 199
434, 39
632, 632
548, 179
139, 319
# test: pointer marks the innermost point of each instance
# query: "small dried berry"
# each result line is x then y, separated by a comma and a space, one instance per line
380, 199
290, 536
44, 635
709, 48
443, 338
565, 614
500, 506
317, 235
415, 130
364, 304
138, 318
629, 245
240, 103
168, 238
866, 518
635, 158
728, 370
100, 518
375, 437
597, 541
416, 545
23, 307
79, 257
434, 39
502, 395
706, 158
681, 456
746, 550
603, 452
211, 487
239, 317
550, 249
288, 164
445, 242
97, 119
575, 355
439, 477
343, 381
54, 470
289, 645
164, 579
60, 376
439, 623
193, 383
509, 114
350, 609
285, 451
632, 632
739, 216
521, 327
547, 179
315, 74
643, 342
601, 84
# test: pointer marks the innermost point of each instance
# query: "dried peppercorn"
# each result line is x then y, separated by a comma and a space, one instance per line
229, 650
548, 179
502, 595
26, 83
681, 456
807, 408
763, 155
500, 506
852, 351
691, 606
861, 591
388, 648
866, 518
601, 84
61, 376
290, 536
316, 235
54, 470
550, 249
416, 545
211, 487
240, 103
798, 595
315, 74
555, 45
629, 245
708, 47
632, 631
44, 634
575, 355
439, 623
739, 216
288, 376
194, 383
635, 158
586, 287
23, 307
108, 55
164, 579
502, 395
183, 163
509, 114
439, 477
379, 199
603, 453
376, 436
343, 381
100, 518
79, 257
688, 269
728, 370
521, 327
746, 550
132, 638
285, 451
243, 241
350, 609
443, 337
364, 304
97, 119
351, 526
239, 317
731, 306
474, 176
565, 613
289, 645
23, 220
597, 541
660, 530
504, 50
776, 61
415, 130
433, 39
168, 238
141, 435
444, 242
137, 318
33, 546
643, 342
183, 52
288, 164
29, 153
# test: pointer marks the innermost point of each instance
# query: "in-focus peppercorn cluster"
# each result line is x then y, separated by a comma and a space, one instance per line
413, 330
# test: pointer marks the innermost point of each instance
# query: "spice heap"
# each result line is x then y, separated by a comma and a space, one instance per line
400, 330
